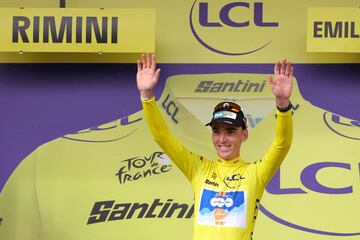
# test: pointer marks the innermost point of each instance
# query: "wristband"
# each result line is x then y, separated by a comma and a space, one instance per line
286, 108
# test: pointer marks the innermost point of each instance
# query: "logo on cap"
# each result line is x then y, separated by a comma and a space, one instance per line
225, 114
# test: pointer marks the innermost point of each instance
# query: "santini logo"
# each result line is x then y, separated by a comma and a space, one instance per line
110, 211
235, 86
218, 26
212, 183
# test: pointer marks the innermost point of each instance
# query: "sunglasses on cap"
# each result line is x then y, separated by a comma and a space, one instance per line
227, 105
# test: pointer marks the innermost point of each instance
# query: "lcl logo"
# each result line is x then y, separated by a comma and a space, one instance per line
325, 193
230, 20
342, 126
112, 131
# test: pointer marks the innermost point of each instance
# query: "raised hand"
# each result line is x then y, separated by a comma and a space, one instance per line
281, 84
147, 75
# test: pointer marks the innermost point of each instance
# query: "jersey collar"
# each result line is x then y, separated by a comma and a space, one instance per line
230, 163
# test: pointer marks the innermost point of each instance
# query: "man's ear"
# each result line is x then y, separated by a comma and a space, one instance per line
245, 135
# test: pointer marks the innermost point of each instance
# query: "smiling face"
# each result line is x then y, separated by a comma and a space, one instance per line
227, 140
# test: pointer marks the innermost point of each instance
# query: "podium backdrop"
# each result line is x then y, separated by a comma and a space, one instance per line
77, 160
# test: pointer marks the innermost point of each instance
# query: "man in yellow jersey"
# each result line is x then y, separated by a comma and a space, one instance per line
227, 190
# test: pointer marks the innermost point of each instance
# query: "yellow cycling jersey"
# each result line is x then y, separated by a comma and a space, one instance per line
227, 193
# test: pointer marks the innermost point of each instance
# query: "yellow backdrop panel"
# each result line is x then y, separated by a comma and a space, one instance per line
333, 30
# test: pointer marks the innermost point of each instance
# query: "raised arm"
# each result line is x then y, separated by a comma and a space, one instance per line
147, 78
281, 86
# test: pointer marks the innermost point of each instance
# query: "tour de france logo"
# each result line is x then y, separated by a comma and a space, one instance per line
342, 126
220, 25
141, 167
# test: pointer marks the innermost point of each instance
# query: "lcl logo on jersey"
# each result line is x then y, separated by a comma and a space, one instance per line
342, 126
233, 181
218, 25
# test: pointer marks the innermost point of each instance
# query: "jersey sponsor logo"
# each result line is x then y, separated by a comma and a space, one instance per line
104, 211
225, 114
137, 168
227, 209
323, 186
233, 181
100, 134
216, 23
344, 127
209, 182
210, 86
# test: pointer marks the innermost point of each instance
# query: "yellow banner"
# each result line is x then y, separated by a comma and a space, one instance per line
207, 31
333, 30
77, 30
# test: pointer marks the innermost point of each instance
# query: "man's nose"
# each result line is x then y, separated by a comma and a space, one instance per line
222, 137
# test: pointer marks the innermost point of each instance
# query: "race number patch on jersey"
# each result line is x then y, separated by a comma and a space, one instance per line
226, 209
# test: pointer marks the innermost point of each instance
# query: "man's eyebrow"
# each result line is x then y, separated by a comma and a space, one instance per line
231, 128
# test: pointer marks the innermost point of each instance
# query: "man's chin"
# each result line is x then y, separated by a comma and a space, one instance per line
225, 156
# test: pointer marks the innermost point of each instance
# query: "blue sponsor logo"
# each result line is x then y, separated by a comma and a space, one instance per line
222, 208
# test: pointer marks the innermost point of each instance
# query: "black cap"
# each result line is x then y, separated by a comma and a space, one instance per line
230, 113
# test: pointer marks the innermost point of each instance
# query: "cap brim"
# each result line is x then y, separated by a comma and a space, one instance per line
223, 120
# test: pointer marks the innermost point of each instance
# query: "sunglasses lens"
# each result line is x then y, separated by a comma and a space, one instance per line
227, 105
